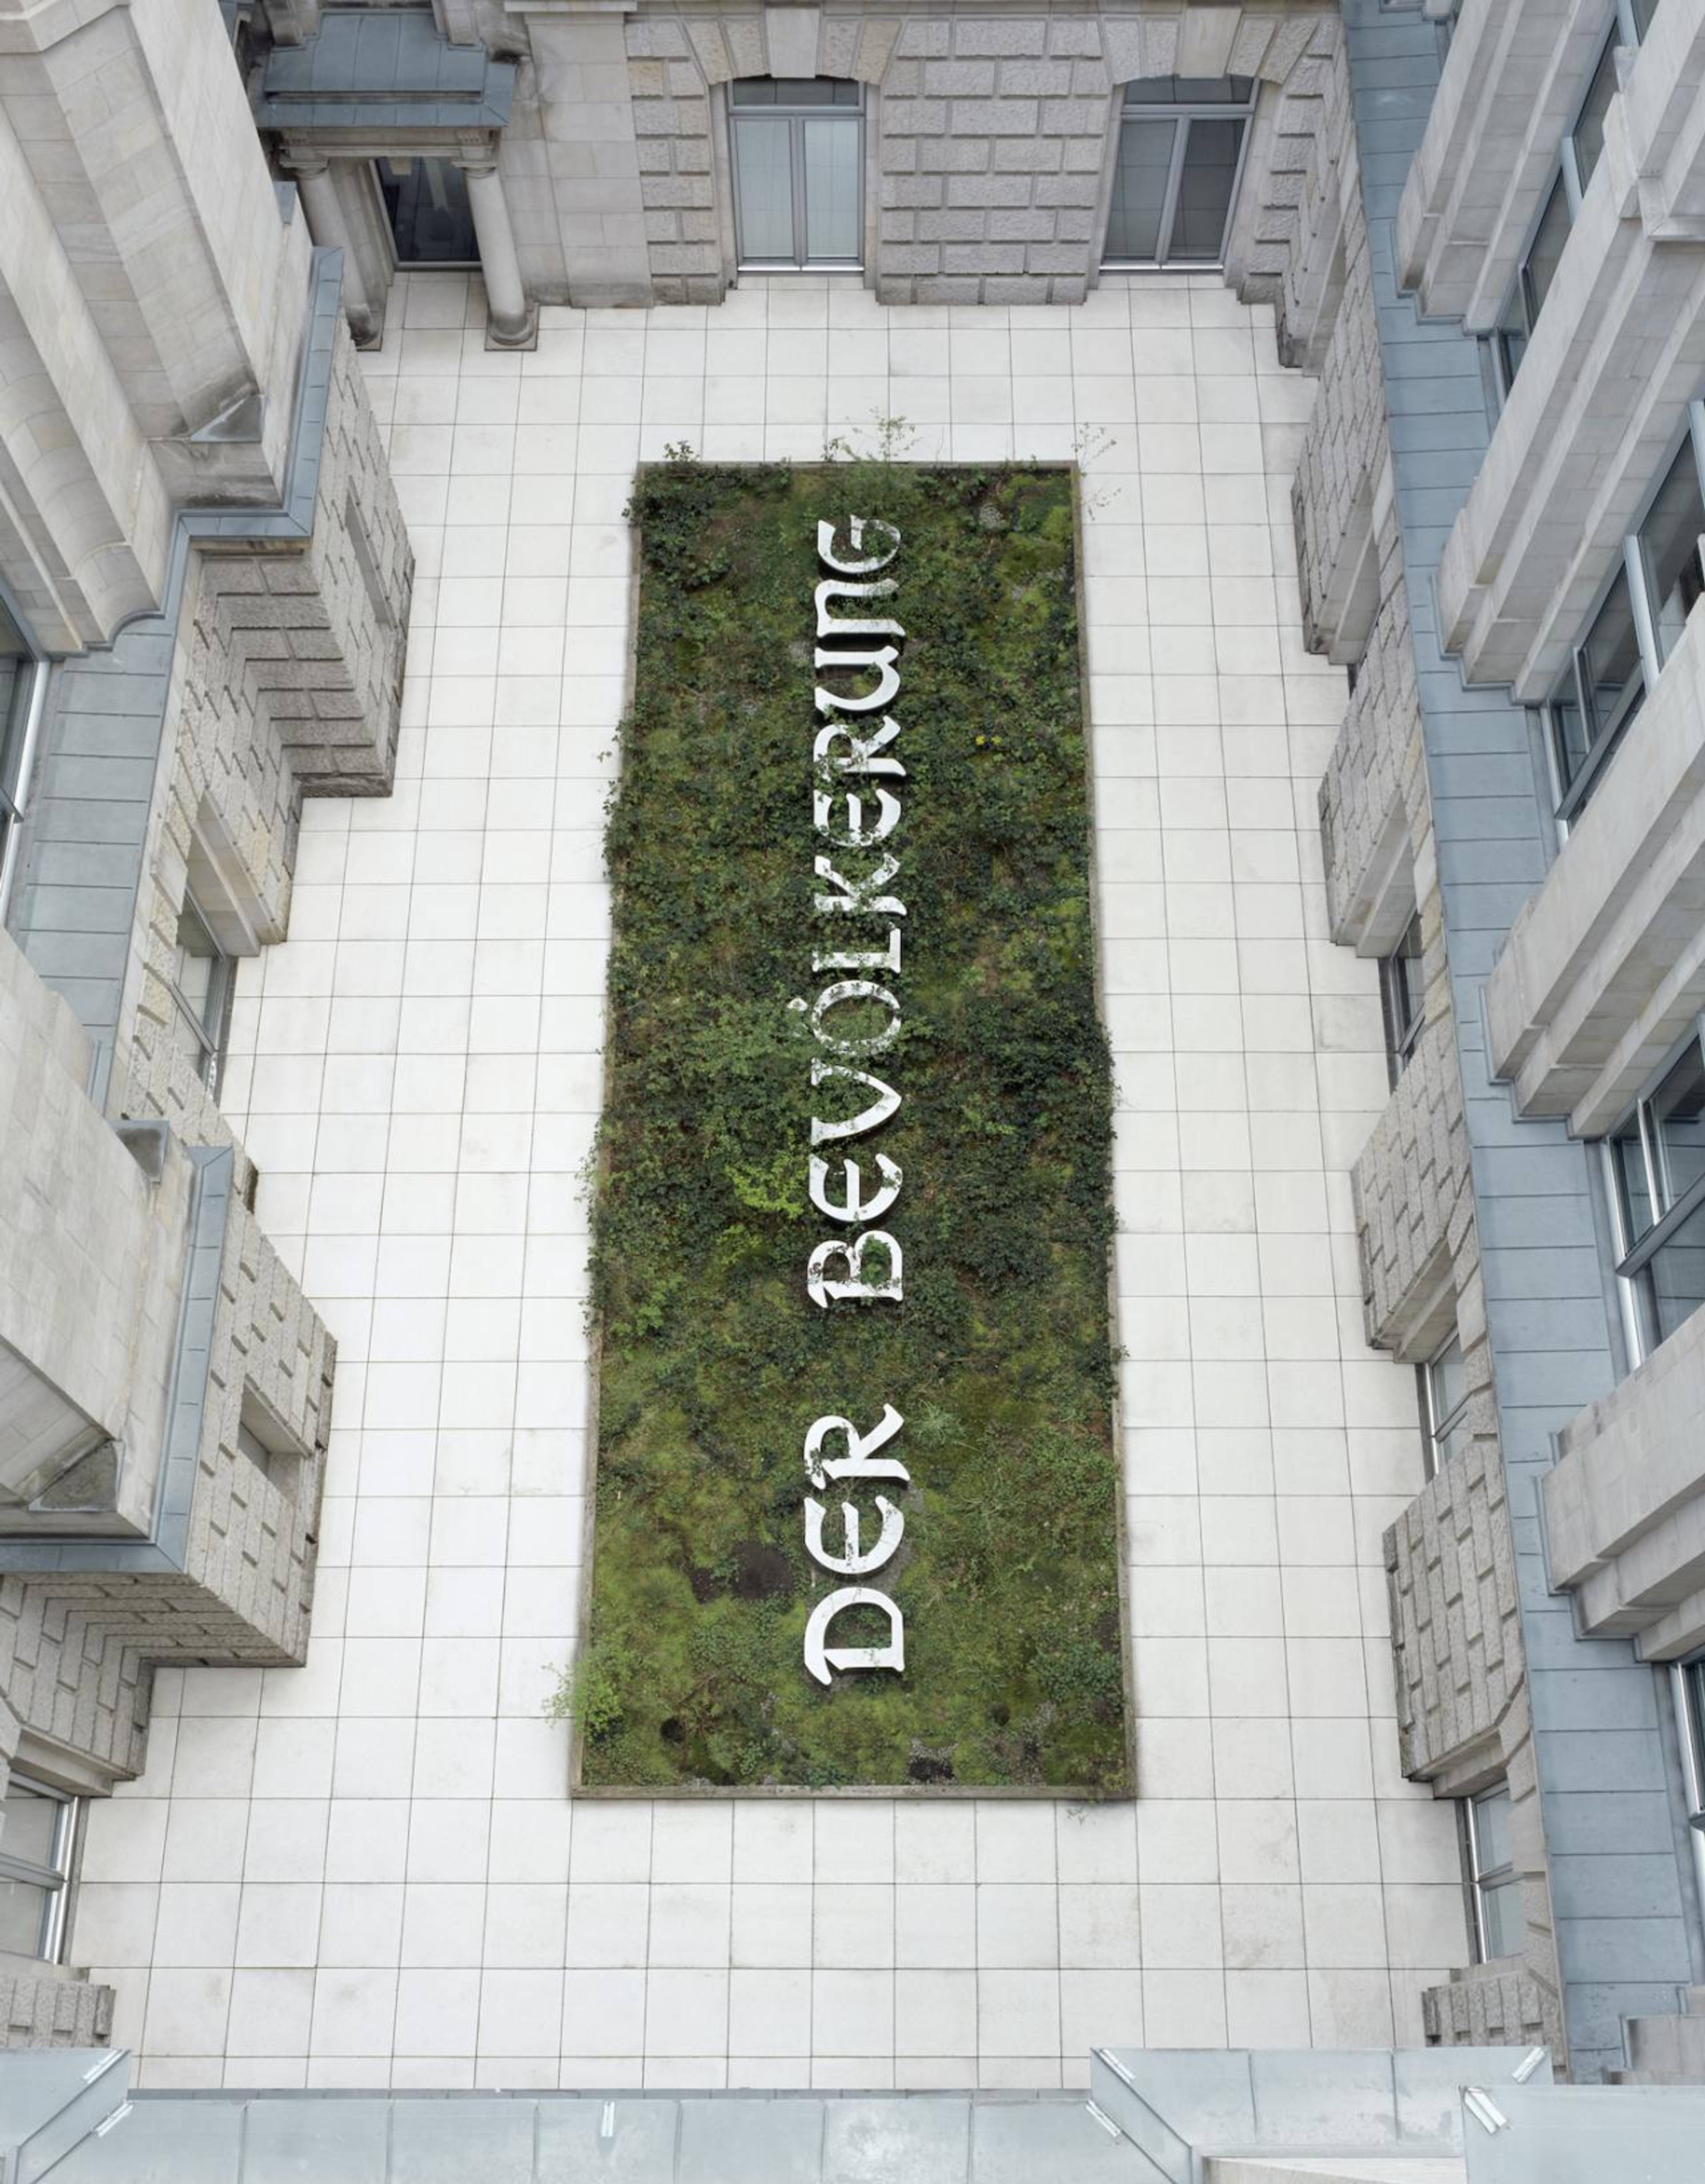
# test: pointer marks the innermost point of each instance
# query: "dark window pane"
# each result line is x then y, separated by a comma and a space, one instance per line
1589, 130
1541, 268
1678, 1140
1670, 544
1643, 11
1189, 91
1569, 729
1674, 1277
1204, 188
755, 91
427, 202
1139, 189
1492, 1848
1404, 995
764, 187
1612, 681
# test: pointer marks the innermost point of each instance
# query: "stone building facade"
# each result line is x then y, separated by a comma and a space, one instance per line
205, 580
989, 145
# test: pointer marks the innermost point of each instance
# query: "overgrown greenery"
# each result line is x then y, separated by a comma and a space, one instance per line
714, 1360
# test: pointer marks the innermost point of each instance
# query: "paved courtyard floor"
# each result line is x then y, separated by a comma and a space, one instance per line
366, 1871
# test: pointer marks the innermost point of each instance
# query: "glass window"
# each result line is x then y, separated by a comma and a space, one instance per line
1594, 704
1670, 551
1691, 1696
1499, 1926
1658, 1168
1175, 169
1511, 344
1640, 13
798, 147
37, 1829
1539, 270
20, 669
1403, 996
1445, 1391
426, 204
1588, 139
201, 980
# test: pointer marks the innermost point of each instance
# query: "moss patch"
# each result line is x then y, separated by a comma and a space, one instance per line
713, 1360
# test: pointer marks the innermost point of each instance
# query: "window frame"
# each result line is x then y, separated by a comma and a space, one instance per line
1631, 565
211, 1032
1483, 1879
794, 115
1402, 1040
1182, 112
1635, 1252
1438, 1427
388, 158
20, 733
1624, 30
54, 1879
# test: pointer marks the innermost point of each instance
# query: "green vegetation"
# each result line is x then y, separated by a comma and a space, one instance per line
713, 1360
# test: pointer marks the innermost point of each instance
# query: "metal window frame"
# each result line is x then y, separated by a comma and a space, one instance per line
55, 1878
1437, 1426
1480, 1877
15, 807
213, 1031
794, 116
1400, 1046
1687, 1695
1635, 1253
1181, 115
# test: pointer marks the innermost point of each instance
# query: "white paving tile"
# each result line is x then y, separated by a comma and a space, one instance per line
366, 1871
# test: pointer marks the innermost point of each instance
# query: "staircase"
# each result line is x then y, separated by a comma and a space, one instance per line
1666, 2051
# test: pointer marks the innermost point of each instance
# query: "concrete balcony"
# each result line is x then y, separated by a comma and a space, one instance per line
1624, 1506
1605, 965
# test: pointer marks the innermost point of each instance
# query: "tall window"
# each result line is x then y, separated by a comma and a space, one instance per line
1658, 579
37, 1833
426, 204
1499, 1926
1445, 1404
202, 981
1402, 997
1658, 1168
1181, 143
1690, 1705
1579, 155
798, 146
22, 676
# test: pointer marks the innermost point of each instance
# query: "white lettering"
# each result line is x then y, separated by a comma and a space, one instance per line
858, 1462
860, 749
858, 898
853, 1287
851, 1205
886, 1103
820, 1659
853, 834
855, 528
887, 680
854, 1562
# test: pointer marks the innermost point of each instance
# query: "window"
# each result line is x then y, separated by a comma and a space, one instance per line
1580, 154
1586, 140
426, 204
1402, 995
1180, 147
798, 147
38, 1829
22, 677
1690, 1714
1657, 1159
1499, 1926
200, 989
1669, 550
1445, 1405
1654, 588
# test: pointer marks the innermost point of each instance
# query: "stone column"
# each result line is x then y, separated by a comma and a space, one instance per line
318, 190
513, 321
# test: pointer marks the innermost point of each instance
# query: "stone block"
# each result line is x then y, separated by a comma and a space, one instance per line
999, 39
